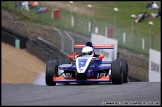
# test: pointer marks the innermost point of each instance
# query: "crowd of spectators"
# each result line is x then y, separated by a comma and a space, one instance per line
27, 5
152, 5
144, 15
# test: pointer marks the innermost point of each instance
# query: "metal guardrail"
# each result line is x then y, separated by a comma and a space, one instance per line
66, 42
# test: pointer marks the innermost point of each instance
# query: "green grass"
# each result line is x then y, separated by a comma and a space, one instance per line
102, 15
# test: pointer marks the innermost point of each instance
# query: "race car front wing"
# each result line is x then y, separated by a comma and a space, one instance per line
64, 80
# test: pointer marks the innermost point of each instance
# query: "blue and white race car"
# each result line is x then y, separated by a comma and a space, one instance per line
87, 67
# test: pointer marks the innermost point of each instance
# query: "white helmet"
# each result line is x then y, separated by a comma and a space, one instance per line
87, 50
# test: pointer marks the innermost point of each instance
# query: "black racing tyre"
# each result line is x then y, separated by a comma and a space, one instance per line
116, 73
124, 69
51, 70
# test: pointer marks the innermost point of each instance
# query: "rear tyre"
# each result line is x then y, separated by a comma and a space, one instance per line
51, 71
124, 69
116, 73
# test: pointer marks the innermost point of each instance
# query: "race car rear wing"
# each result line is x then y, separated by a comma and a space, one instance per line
97, 46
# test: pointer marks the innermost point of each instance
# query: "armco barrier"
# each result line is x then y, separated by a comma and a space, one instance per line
13, 38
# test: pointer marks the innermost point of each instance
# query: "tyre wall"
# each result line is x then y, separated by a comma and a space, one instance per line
44, 50
36, 45
13, 38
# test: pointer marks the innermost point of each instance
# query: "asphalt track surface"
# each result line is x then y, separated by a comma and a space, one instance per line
137, 93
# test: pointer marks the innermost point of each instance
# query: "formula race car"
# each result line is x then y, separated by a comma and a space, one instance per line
87, 67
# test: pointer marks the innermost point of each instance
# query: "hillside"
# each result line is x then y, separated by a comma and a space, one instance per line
101, 15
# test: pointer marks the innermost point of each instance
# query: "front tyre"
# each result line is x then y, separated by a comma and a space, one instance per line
124, 69
51, 72
116, 73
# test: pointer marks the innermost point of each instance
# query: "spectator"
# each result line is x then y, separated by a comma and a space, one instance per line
149, 5
155, 15
144, 14
159, 13
18, 3
25, 5
41, 9
154, 5
33, 4
141, 17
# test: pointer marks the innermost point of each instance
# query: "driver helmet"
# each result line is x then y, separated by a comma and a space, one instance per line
89, 44
88, 49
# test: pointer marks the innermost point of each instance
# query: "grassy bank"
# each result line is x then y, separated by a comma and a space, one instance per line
101, 15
